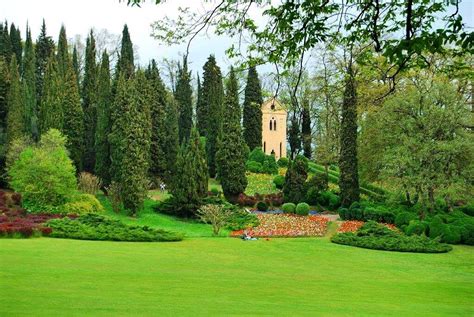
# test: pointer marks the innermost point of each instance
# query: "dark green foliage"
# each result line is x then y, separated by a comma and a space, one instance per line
312, 196
4, 83
252, 114
189, 185
262, 206
468, 209
294, 137
319, 182
283, 162
75, 64
29, 88
329, 199
213, 97
404, 218
270, 165
62, 53
171, 140
288, 208
6, 44
295, 178
125, 62
436, 227
104, 100
375, 236
16, 44
306, 129
201, 110
51, 115
254, 167
97, 227
279, 181
259, 162
231, 156
16, 126
416, 227
302, 209
89, 102
159, 134
366, 212
183, 95
44, 48
241, 219
349, 175
257, 155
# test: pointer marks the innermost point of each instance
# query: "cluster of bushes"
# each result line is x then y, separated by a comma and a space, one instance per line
301, 209
283, 162
241, 219
99, 227
271, 200
259, 162
366, 211
376, 236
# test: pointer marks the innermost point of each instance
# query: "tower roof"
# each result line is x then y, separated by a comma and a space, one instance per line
273, 105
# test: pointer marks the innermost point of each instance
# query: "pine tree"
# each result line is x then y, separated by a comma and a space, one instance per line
16, 44
201, 110
231, 156
158, 150
62, 52
75, 64
29, 87
306, 129
4, 83
183, 95
6, 44
16, 112
125, 62
73, 126
295, 178
102, 146
171, 141
190, 180
43, 50
51, 114
348, 165
89, 103
252, 114
213, 95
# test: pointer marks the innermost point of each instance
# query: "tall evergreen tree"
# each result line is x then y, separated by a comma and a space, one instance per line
16, 112
201, 110
231, 155
4, 83
348, 165
62, 52
183, 95
172, 137
16, 44
43, 50
158, 150
73, 126
213, 95
120, 104
125, 62
306, 129
295, 178
294, 139
252, 117
51, 114
6, 44
29, 87
89, 103
102, 146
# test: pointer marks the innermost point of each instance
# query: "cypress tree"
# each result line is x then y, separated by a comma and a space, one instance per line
102, 162
4, 83
213, 95
6, 44
190, 180
158, 150
306, 129
51, 111
295, 178
294, 137
89, 103
183, 95
125, 63
16, 45
121, 100
252, 117
73, 126
171, 141
16, 112
201, 110
62, 52
29, 87
75, 64
348, 165
43, 50
231, 156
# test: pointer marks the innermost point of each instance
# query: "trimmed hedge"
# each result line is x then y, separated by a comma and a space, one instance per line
262, 206
363, 212
279, 181
302, 209
283, 162
378, 237
288, 208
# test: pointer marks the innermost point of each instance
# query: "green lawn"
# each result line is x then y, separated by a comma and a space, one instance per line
225, 276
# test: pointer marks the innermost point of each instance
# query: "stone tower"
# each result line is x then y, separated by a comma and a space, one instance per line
274, 128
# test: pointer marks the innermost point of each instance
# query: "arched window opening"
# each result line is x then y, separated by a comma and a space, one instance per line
274, 125
264, 147
270, 125
280, 149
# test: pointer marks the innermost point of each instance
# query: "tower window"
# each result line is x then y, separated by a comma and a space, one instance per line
264, 147
274, 125
271, 125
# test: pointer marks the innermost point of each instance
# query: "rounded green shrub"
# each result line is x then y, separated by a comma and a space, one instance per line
269, 165
254, 167
415, 227
320, 181
257, 155
436, 227
302, 209
262, 206
404, 218
279, 181
288, 208
312, 195
334, 201
283, 162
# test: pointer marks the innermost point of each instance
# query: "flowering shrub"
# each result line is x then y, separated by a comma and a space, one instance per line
286, 225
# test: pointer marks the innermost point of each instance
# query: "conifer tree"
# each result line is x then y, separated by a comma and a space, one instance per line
189, 185
183, 96
16, 44
62, 52
75, 64
6, 44
252, 114
120, 104
125, 62
213, 95
43, 50
89, 103
294, 139
231, 155
295, 178
172, 137
3, 94
158, 150
102, 146
29, 87
306, 129
16, 112
50, 114
201, 110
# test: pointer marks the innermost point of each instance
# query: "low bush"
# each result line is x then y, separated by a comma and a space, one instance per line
367, 212
329, 199
98, 227
262, 206
302, 209
288, 208
416, 227
82, 204
319, 181
241, 219
279, 181
312, 196
89, 183
467, 209
215, 215
269, 165
254, 167
257, 155
283, 162
375, 236
404, 218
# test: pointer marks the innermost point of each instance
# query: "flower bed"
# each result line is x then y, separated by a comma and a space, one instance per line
286, 225
354, 225
17, 223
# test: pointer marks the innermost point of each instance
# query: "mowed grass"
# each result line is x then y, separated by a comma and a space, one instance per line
226, 276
